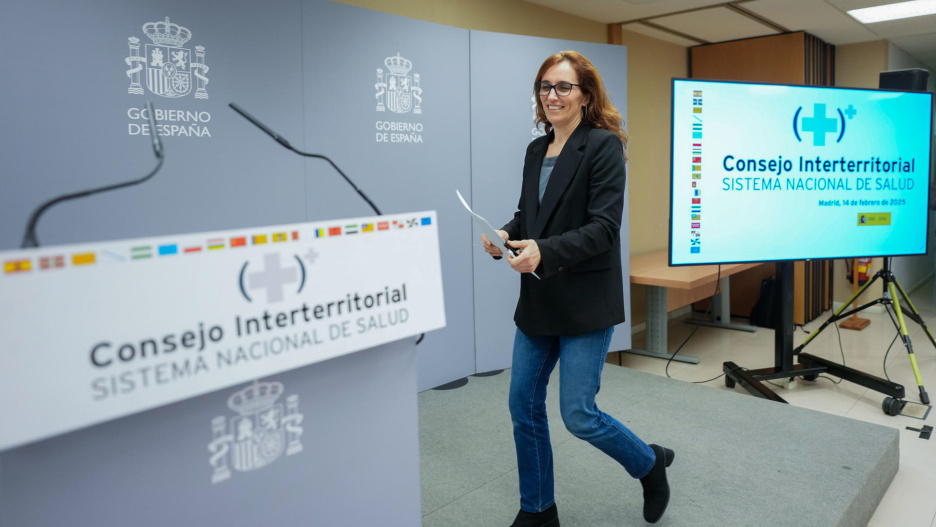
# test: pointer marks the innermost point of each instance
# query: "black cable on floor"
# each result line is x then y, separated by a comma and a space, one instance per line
885, 356
711, 303
892, 342
841, 350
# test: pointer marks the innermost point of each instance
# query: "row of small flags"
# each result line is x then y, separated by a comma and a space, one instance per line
695, 238
355, 228
143, 252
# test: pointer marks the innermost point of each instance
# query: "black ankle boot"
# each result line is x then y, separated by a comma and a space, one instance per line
546, 518
655, 486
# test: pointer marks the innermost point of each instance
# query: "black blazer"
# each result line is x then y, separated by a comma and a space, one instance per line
578, 231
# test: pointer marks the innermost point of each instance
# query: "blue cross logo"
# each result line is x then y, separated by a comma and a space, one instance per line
820, 125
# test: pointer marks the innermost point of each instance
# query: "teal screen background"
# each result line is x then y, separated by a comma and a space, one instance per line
742, 208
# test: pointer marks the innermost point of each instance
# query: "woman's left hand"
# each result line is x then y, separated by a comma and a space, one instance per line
529, 258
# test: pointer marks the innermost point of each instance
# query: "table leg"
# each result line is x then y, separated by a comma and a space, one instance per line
656, 328
721, 311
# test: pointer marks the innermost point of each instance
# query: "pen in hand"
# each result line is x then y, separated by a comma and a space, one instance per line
515, 252
512, 251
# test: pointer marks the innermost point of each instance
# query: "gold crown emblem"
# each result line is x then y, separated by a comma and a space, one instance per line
398, 65
255, 397
167, 33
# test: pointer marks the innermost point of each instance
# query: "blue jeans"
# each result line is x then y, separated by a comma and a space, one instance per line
581, 359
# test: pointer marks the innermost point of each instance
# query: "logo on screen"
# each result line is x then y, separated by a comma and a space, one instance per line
819, 124
272, 278
397, 90
171, 69
259, 434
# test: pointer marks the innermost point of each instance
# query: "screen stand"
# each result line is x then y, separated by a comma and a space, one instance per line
810, 366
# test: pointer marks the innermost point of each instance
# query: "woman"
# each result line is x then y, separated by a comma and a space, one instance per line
567, 230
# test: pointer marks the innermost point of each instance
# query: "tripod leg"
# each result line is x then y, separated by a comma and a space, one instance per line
917, 318
924, 398
835, 316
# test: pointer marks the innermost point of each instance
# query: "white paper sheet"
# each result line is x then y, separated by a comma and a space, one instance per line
485, 227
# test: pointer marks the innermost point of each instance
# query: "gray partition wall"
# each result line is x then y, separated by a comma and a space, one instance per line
386, 98
70, 122
410, 110
502, 125
77, 76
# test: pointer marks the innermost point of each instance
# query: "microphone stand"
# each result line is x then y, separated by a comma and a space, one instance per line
281, 140
31, 240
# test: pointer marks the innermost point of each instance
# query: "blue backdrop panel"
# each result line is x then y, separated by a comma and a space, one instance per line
402, 135
502, 109
70, 122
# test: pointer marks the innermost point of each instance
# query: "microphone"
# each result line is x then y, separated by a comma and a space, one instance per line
281, 140
157, 142
31, 240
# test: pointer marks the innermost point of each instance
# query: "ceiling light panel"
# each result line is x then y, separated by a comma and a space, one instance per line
903, 27
898, 11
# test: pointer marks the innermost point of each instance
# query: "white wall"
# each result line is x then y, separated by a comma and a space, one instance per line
912, 271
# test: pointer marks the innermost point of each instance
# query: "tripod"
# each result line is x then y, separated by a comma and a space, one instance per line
891, 405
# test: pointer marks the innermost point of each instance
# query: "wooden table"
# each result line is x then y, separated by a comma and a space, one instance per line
686, 285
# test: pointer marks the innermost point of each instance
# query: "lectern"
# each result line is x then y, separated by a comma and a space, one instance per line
258, 376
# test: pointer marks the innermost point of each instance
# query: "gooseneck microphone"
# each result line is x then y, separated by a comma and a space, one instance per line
281, 140
30, 239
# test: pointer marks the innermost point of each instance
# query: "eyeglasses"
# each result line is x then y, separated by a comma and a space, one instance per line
563, 89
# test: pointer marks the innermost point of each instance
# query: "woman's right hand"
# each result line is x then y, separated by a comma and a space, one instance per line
490, 248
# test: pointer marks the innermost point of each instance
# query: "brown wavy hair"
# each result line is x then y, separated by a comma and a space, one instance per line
600, 113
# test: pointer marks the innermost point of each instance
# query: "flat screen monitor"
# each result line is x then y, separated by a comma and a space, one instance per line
767, 172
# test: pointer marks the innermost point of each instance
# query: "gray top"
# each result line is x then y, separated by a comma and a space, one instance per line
548, 164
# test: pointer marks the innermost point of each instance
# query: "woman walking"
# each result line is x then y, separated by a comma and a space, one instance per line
567, 229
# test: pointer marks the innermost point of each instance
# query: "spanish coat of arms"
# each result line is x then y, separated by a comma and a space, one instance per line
397, 90
261, 432
171, 69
